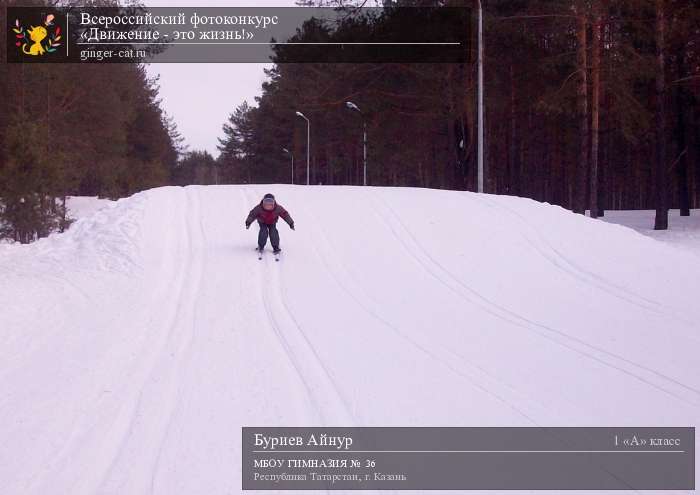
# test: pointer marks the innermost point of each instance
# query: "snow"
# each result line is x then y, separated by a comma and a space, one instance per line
84, 206
683, 232
78, 207
134, 346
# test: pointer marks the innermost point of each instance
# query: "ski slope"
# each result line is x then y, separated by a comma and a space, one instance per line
135, 346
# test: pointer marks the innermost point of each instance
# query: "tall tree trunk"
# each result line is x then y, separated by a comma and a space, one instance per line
661, 180
604, 168
514, 168
450, 153
682, 167
695, 146
582, 104
595, 108
329, 165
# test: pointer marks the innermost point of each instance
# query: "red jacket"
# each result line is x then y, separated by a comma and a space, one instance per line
268, 217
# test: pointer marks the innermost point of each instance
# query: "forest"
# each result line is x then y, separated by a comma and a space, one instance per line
76, 129
589, 104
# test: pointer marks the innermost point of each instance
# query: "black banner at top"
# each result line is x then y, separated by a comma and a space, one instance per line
241, 34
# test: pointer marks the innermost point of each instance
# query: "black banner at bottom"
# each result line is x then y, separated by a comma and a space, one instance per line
518, 458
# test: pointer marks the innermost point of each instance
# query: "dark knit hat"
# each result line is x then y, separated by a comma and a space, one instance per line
269, 196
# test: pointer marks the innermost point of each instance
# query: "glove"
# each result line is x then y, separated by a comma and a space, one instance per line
292, 226
247, 226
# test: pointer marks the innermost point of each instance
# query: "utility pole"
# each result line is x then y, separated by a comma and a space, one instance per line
480, 103
308, 146
354, 107
292, 155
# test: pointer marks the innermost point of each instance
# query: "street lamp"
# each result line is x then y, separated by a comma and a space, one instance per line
480, 103
308, 145
292, 155
355, 108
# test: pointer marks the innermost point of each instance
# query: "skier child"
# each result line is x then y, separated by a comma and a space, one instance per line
267, 212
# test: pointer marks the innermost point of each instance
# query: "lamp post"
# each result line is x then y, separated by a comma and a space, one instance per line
292, 155
355, 108
480, 104
308, 146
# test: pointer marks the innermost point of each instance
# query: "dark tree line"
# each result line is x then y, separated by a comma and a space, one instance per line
196, 167
590, 104
74, 129
607, 114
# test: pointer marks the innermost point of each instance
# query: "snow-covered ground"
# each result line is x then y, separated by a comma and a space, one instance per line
683, 232
84, 206
78, 207
135, 346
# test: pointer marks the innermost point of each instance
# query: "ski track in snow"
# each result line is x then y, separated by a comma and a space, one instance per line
135, 346
511, 317
274, 326
317, 380
576, 271
440, 355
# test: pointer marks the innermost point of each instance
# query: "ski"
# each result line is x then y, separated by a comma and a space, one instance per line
261, 252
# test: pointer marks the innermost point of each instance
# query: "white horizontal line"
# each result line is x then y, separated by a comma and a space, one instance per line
260, 43
470, 451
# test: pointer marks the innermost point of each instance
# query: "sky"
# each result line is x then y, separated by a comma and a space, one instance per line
200, 97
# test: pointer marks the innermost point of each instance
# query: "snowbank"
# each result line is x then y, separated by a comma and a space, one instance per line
683, 232
84, 206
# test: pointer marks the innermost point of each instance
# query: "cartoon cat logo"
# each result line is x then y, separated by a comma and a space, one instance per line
38, 40
37, 35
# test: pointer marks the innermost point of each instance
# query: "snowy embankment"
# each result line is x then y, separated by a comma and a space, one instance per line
78, 207
84, 206
683, 232
135, 346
